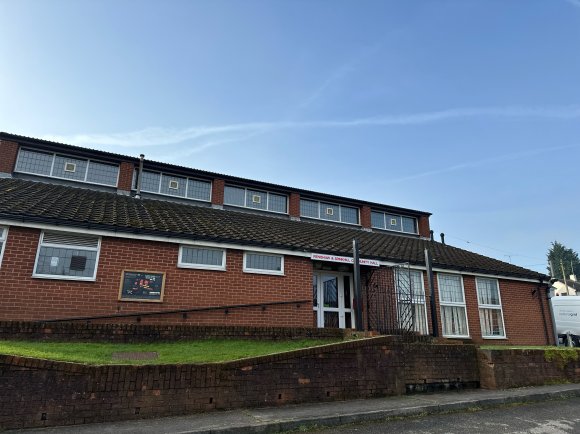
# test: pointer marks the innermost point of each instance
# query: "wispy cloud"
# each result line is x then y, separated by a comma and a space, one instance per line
338, 75
484, 162
574, 2
199, 136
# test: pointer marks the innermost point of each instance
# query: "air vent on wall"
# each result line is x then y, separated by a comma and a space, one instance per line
174, 185
329, 211
70, 167
256, 198
78, 263
62, 238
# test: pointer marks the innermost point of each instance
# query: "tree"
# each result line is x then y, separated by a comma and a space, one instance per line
559, 253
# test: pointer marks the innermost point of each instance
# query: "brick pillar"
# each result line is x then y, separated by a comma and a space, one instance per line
9, 153
126, 171
424, 229
294, 205
365, 216
217, 192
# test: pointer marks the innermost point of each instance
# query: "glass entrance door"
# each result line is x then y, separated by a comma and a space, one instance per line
332, 299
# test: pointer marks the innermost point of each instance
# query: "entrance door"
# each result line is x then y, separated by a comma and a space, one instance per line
333, 299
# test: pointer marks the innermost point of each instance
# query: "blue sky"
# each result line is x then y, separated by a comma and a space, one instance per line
469, 109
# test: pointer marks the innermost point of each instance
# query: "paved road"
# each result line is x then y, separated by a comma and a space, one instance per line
550, 417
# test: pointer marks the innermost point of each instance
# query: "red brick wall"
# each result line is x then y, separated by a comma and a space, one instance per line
217, 191
9, 153
424, 228
524, 322
126, 171
365, 216
294, 205
80, 331
26, 298
69, 394
503, 369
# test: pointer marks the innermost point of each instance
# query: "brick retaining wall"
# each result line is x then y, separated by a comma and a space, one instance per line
128, 333
502, 369
36, 393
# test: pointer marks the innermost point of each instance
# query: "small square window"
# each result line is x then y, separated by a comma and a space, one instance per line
256, 198
70, 167
393, 222
329, 211
174, 185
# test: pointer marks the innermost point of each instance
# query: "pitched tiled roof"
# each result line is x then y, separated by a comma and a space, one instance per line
31, 201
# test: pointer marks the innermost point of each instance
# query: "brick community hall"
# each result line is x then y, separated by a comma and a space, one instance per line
101, 237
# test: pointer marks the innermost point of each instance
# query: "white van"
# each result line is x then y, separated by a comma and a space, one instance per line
566, 314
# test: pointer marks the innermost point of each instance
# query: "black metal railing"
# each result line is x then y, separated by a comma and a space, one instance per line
183, 312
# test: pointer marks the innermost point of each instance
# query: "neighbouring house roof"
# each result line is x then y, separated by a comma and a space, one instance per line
38, 202
571, 284
78, 151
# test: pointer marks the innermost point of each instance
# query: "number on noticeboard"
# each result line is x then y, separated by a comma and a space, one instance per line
142, 286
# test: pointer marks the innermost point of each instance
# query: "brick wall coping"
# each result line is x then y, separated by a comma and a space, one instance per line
118, 332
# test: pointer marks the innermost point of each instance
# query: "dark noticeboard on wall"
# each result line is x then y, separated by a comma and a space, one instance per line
142, 286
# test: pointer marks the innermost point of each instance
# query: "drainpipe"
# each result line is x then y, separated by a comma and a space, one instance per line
357, 285
552, 314
139, 177
431, 283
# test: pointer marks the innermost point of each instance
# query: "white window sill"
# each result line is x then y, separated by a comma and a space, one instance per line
54, 277
201, 267
271, 273
456, 337
496, 338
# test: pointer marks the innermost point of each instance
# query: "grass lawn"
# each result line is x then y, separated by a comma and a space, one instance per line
204, 351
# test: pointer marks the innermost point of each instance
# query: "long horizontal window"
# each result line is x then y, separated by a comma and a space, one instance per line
490, 309
173, 185
202, 257
255, 199
3, 236
393, 222
263, 263
328, 211
65, 167
63, 255
453, 309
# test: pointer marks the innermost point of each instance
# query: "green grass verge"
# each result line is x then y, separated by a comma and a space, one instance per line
205, 351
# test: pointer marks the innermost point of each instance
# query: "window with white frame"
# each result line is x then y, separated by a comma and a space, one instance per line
256, 199
328, 211
452, 301
65, 167
411, 291
3, 236
393, 222
173, 185
263, 263
490, 310
63, 255
202, 257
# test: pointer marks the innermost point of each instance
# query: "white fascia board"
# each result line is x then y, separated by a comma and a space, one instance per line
185, 241
463, 273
